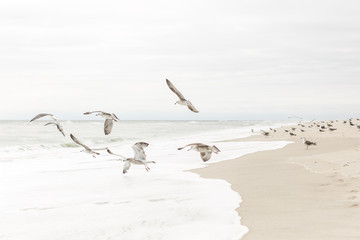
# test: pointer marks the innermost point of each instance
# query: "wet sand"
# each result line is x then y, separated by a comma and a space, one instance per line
295, 193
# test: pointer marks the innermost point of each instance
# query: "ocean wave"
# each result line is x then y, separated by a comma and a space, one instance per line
69, 145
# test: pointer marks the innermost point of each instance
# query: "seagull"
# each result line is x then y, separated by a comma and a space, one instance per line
139, 157
205, 150
307, 143
109, 120
182, 100
55, 122
86, 148
292, 134
265, 133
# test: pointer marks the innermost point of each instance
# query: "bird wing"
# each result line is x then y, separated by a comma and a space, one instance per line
139, 152
108, 126
310, 143
40, 115
191, 107
59, 127
126, 167
49, 123
78, 142
114, 117
87, 113
121, 156
192, 144
215, 149
205, 156
173, 88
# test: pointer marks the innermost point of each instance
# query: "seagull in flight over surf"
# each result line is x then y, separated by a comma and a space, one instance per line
139, 157
205, 150
182, 100
86, 148
109, 120
55, 122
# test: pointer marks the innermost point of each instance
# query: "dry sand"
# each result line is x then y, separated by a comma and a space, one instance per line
294, 193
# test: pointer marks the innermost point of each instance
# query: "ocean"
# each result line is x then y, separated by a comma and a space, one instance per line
51, 190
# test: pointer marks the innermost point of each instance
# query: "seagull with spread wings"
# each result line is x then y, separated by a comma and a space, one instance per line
182, 100
55, 122
205, 150
109, 120
86, 148
139, 157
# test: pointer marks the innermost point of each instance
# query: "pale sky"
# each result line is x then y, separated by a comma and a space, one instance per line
240, 60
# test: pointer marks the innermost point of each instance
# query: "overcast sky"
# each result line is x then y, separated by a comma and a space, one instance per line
241, 59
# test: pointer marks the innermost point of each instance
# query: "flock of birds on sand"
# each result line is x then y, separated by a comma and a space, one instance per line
138, 148
322, 127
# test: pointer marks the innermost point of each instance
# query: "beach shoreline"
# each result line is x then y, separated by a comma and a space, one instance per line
294, 192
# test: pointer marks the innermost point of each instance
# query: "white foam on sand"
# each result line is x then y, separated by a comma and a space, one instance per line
65, 194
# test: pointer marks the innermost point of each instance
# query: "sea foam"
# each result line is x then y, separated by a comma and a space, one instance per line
58, 192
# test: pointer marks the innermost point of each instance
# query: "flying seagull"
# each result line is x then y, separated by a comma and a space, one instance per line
307, 143
139, 157
205, 150
59, 127
86, 148
109, 120
182, 100
55, 122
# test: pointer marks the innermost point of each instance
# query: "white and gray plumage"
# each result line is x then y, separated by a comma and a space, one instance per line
59, 127
307, 143
109, 120
86, 148
55, 122
139, 157
205, 150
182, 100
40, 115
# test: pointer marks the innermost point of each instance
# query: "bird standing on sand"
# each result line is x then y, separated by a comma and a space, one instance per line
55, 122
307, 143
86, 148
109, 120
205, 150
265, 133
182, 100
139, 157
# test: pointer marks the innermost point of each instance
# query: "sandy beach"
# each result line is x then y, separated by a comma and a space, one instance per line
299, 193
